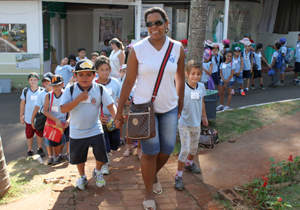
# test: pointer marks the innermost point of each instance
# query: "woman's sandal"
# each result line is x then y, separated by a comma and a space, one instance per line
157, 189
139, 153
149, 205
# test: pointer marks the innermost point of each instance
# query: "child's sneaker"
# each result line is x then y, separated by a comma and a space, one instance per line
193, 168
238, 90
262, 87
41, 152
242, 93
104, 169
246, 90
252, 87
220, 107
226, 108
56, 160
98, 176
50, 161
30, 153
179, 183
65, 157
81, 183
232, 92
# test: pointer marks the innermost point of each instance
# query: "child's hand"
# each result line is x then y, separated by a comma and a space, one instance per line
32, 125
128, 103
58, 123
204, 121
238, 74
225, 84
251, 70
104, 120
22, 119
83, 96
67, 124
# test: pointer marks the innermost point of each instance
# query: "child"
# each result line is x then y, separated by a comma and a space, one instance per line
39, 107
207, 67
104, 53
53, 112
217, 59
28, 98
273, 66
122, 72
283, 51
81, 54
83, 103
72, 59
257, 59
226, 45
189, 124
297, 62
226, 72
65, 70
238, 73
94, 56
247, 56
112, 138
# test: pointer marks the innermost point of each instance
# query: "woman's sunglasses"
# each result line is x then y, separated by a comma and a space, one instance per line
157, 23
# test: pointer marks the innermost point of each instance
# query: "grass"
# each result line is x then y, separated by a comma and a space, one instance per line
27, 177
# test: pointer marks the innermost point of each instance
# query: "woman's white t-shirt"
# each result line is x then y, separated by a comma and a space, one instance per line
149, 62
115, 64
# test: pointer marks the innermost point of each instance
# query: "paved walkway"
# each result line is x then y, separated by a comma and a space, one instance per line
228, 165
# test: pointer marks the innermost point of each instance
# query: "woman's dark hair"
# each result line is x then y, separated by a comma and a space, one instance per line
228, 51
258, 46
156, 9
102, 60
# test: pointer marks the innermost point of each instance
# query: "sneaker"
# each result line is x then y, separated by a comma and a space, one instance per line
179, 183
280, 83
30, 153
262, 87
226, 108
98, 176
81, 183
193, 168
104, 169
41, 152
220, 107
135, 144
50, 161
243, 93
297, 83
252, 87
56, 160
238, 90
246, 90
293, 82
65, 157
232, 92
272, 85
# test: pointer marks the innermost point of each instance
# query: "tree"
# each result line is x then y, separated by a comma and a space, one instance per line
4, 176
197, 29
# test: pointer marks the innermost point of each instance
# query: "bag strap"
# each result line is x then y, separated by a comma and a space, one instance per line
161, 70
52, 96
72, 89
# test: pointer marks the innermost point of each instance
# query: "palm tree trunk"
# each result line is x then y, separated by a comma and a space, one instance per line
197, 29
4, 176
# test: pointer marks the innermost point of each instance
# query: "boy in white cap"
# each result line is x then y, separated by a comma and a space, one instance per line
247, 56
83, 100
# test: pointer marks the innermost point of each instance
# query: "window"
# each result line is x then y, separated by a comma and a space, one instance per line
13, 38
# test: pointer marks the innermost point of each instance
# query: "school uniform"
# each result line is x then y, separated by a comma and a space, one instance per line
112, 138
226, 72
66, 72
216, 60
85, 125
205, 76
247, 64
30, 100
257, 60
283, 50
189, 123
297, 55
237, 62
41, 100
275, 76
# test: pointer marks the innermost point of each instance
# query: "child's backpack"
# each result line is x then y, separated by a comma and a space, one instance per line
289, 55
26, 90
278, 62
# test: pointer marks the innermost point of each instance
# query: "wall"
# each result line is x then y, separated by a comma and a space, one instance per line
27, 12
127, 25
79, 31
56, 36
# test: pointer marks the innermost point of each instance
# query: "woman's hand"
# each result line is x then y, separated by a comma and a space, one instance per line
119, 120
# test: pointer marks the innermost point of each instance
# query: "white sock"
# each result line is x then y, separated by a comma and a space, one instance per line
60, 154
178, 174
97, 170
50, 156
189, 162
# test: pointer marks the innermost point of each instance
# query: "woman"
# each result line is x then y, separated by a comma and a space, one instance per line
117, 57
143, 64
